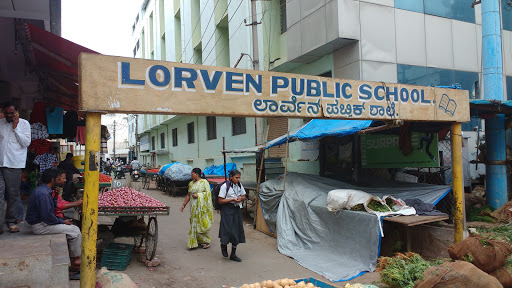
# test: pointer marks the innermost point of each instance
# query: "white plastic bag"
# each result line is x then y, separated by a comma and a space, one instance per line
340, 199
179, 172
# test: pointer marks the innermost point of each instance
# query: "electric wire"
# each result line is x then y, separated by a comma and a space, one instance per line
213, 34
207, 25
195, 28
234, 13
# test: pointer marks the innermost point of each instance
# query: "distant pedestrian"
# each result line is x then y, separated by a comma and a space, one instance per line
15, 137
201, 211
231, 224
70, 169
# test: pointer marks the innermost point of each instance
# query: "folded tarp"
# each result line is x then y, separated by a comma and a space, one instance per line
339, 245
219, 170
165, 167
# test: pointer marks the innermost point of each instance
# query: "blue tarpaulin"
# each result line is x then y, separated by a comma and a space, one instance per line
219, 170
165, 167
318, 128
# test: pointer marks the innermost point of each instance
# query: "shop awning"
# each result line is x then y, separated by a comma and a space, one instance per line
57, 58
314, 129
483, 108
318, 128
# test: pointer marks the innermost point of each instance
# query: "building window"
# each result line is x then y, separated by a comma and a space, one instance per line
452, 9
162, 140
283, 16
506, 14
429, 76
190, 132
211, 128
238, 125
174, 137
153, 146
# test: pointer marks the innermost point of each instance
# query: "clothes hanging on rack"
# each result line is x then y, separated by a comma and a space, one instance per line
54, 116
80, 134
38, 114
45, 161
70, 124
38, 131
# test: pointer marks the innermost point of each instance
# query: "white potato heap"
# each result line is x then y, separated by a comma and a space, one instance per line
281, 283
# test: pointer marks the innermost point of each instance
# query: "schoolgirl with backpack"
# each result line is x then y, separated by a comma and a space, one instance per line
231, 195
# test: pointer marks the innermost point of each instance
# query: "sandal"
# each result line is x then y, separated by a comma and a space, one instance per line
74, 276
14, 229
206, 245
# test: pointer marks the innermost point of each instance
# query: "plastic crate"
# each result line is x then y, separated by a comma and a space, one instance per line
116, 256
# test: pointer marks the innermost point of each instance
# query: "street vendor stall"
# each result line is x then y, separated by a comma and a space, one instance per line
124, 85
127, 204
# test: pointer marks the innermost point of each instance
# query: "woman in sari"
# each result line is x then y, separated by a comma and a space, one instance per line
201, 211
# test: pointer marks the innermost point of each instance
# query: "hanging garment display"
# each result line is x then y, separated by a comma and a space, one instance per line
38, 131
38, 114
45, 161
80, 134
54, 116
70, 124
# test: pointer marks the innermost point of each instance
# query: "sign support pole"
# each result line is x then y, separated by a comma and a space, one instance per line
90, 205
458, 188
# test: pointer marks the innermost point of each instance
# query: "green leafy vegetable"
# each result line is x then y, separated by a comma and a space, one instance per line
403, 270
358, 207
377, 206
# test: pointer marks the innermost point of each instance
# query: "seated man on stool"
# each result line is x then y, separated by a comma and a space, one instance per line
41, 215
59, 203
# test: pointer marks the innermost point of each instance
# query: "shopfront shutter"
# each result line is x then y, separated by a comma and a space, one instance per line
277, 127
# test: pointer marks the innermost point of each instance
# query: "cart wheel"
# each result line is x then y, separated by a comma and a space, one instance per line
151, 238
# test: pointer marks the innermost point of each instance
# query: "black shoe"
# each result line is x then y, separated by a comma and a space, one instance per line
74, 276
224, 249
235, 258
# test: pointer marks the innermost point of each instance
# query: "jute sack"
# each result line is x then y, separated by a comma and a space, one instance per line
110, 279
488, 255
503, 276
455, 275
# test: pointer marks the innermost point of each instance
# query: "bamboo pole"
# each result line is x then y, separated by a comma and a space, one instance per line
286, 159
90, 205
458, 188
259, 177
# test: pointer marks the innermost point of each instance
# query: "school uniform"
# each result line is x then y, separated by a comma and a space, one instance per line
231, 222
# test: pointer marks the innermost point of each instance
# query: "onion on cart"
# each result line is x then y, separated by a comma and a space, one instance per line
128, 202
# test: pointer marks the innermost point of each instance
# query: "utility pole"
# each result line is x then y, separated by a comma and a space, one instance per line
255, 57
114, 150
258, 122
137, 136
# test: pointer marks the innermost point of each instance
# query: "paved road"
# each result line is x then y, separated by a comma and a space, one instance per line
200, 268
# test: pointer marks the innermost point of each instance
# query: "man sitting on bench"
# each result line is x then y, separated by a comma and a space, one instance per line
41, 215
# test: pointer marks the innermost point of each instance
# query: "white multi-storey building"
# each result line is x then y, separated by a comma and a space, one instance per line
421, 42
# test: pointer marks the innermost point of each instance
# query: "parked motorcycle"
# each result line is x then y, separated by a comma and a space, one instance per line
120, 173
135, 175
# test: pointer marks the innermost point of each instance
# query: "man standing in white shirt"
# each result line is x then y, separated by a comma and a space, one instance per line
15, 137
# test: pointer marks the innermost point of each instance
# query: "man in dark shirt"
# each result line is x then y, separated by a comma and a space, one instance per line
41, 215
70, 169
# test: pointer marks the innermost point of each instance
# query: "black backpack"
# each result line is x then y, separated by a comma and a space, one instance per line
215, 194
